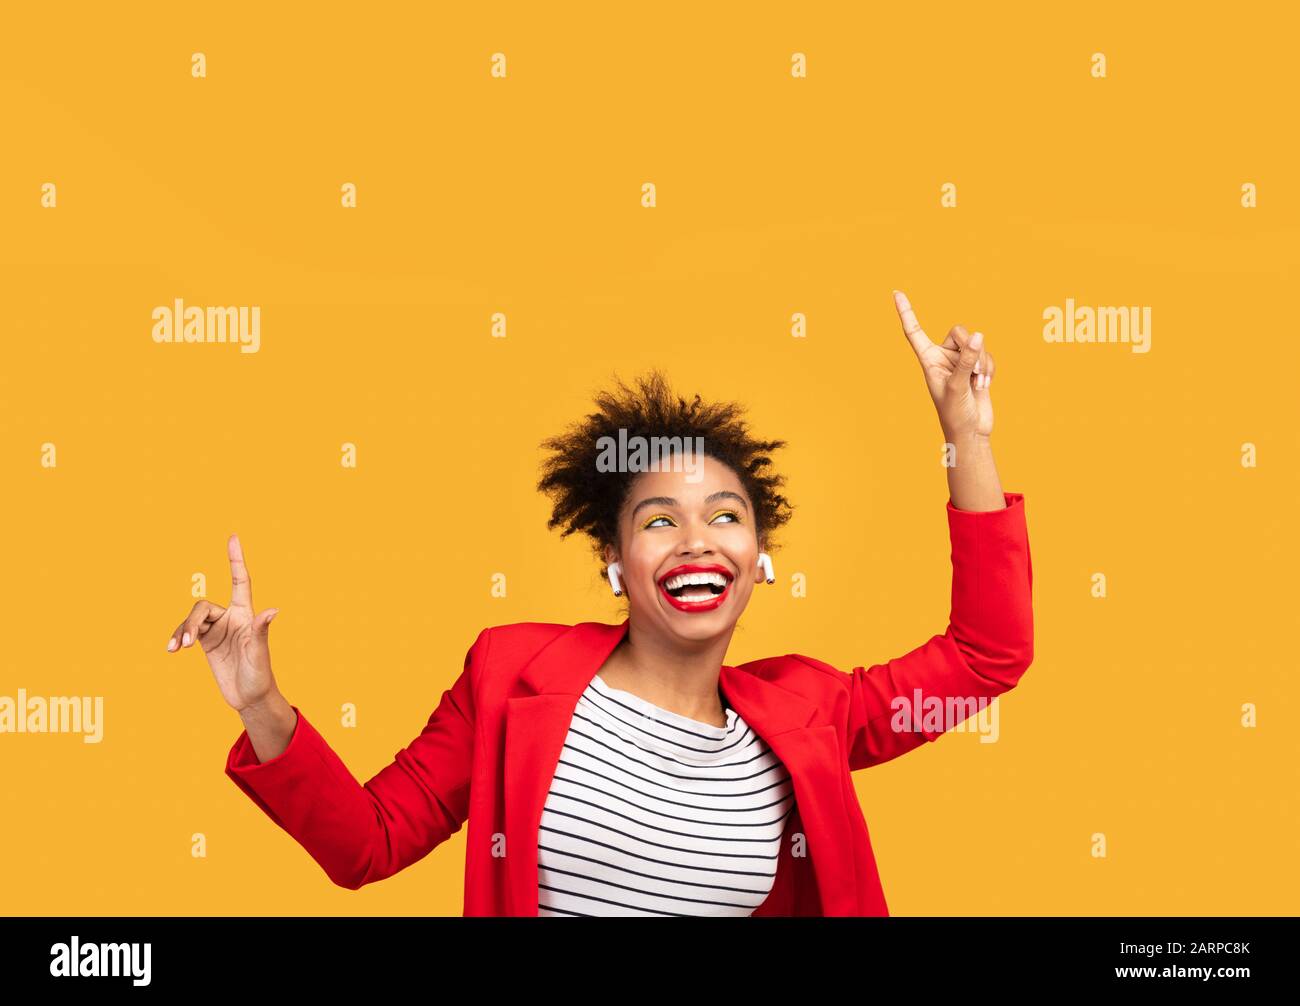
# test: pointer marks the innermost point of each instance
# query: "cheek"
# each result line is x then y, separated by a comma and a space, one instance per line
643, 560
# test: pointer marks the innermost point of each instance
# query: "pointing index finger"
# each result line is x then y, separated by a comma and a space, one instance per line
241, 590
911, 327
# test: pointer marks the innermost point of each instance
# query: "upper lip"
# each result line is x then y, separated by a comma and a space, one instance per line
696, 567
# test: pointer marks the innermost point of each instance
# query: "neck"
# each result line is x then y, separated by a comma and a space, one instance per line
678, 675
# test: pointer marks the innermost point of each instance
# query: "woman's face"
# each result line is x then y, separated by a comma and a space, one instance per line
669, 522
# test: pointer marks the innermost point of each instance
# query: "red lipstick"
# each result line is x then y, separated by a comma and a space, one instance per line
706, 604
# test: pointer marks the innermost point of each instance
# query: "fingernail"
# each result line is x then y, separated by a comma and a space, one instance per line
977, 340
901, 300
171, 644
185, 639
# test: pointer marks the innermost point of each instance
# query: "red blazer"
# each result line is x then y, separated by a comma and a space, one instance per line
489, 750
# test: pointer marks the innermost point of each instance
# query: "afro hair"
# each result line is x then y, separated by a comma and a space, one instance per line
587, 499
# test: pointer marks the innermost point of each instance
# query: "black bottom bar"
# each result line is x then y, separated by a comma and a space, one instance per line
434, 956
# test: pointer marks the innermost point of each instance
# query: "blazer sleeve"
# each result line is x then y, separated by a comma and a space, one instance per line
988, 645
363, 833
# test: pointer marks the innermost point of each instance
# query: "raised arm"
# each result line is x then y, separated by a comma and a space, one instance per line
988, 645
990, 638
360, 834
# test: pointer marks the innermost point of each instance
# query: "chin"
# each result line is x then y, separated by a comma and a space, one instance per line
701, 626
701, 635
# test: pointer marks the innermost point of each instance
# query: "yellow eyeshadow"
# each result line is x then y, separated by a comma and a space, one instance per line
650, 520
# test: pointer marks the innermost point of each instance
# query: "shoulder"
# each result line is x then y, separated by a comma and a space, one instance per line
514, 641
506, 649
547, 651
807, 676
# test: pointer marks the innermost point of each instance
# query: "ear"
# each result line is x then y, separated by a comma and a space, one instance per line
611, 556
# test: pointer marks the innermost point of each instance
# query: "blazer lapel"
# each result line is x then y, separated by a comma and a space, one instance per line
538, 720
812, 756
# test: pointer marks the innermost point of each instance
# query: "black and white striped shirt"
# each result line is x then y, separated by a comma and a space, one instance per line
652, 813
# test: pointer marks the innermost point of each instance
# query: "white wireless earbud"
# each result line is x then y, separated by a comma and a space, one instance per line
765, 564
615, 571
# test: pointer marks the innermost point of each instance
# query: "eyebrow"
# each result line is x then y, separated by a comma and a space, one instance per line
669, 501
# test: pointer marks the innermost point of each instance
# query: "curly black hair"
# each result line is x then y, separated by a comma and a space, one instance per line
587, 499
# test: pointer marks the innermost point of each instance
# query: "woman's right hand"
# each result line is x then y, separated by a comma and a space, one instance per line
234, 639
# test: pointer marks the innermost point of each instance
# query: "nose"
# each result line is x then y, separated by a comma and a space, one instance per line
695, 540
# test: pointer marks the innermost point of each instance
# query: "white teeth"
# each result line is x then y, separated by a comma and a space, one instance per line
695, 579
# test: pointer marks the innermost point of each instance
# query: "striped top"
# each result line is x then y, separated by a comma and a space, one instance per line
652, 813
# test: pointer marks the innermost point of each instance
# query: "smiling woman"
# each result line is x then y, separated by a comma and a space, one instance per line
666, 800
626, 769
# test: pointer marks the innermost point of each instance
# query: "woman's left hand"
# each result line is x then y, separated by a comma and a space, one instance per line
957, 372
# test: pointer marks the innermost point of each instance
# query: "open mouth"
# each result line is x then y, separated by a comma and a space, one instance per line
695, 588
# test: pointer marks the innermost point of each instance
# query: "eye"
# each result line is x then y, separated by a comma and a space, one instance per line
653, 521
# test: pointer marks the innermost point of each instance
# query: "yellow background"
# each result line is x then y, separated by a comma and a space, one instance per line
775, 195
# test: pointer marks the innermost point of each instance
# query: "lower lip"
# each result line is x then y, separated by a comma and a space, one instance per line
708, 604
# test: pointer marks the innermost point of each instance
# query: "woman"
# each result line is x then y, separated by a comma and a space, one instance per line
626, 769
